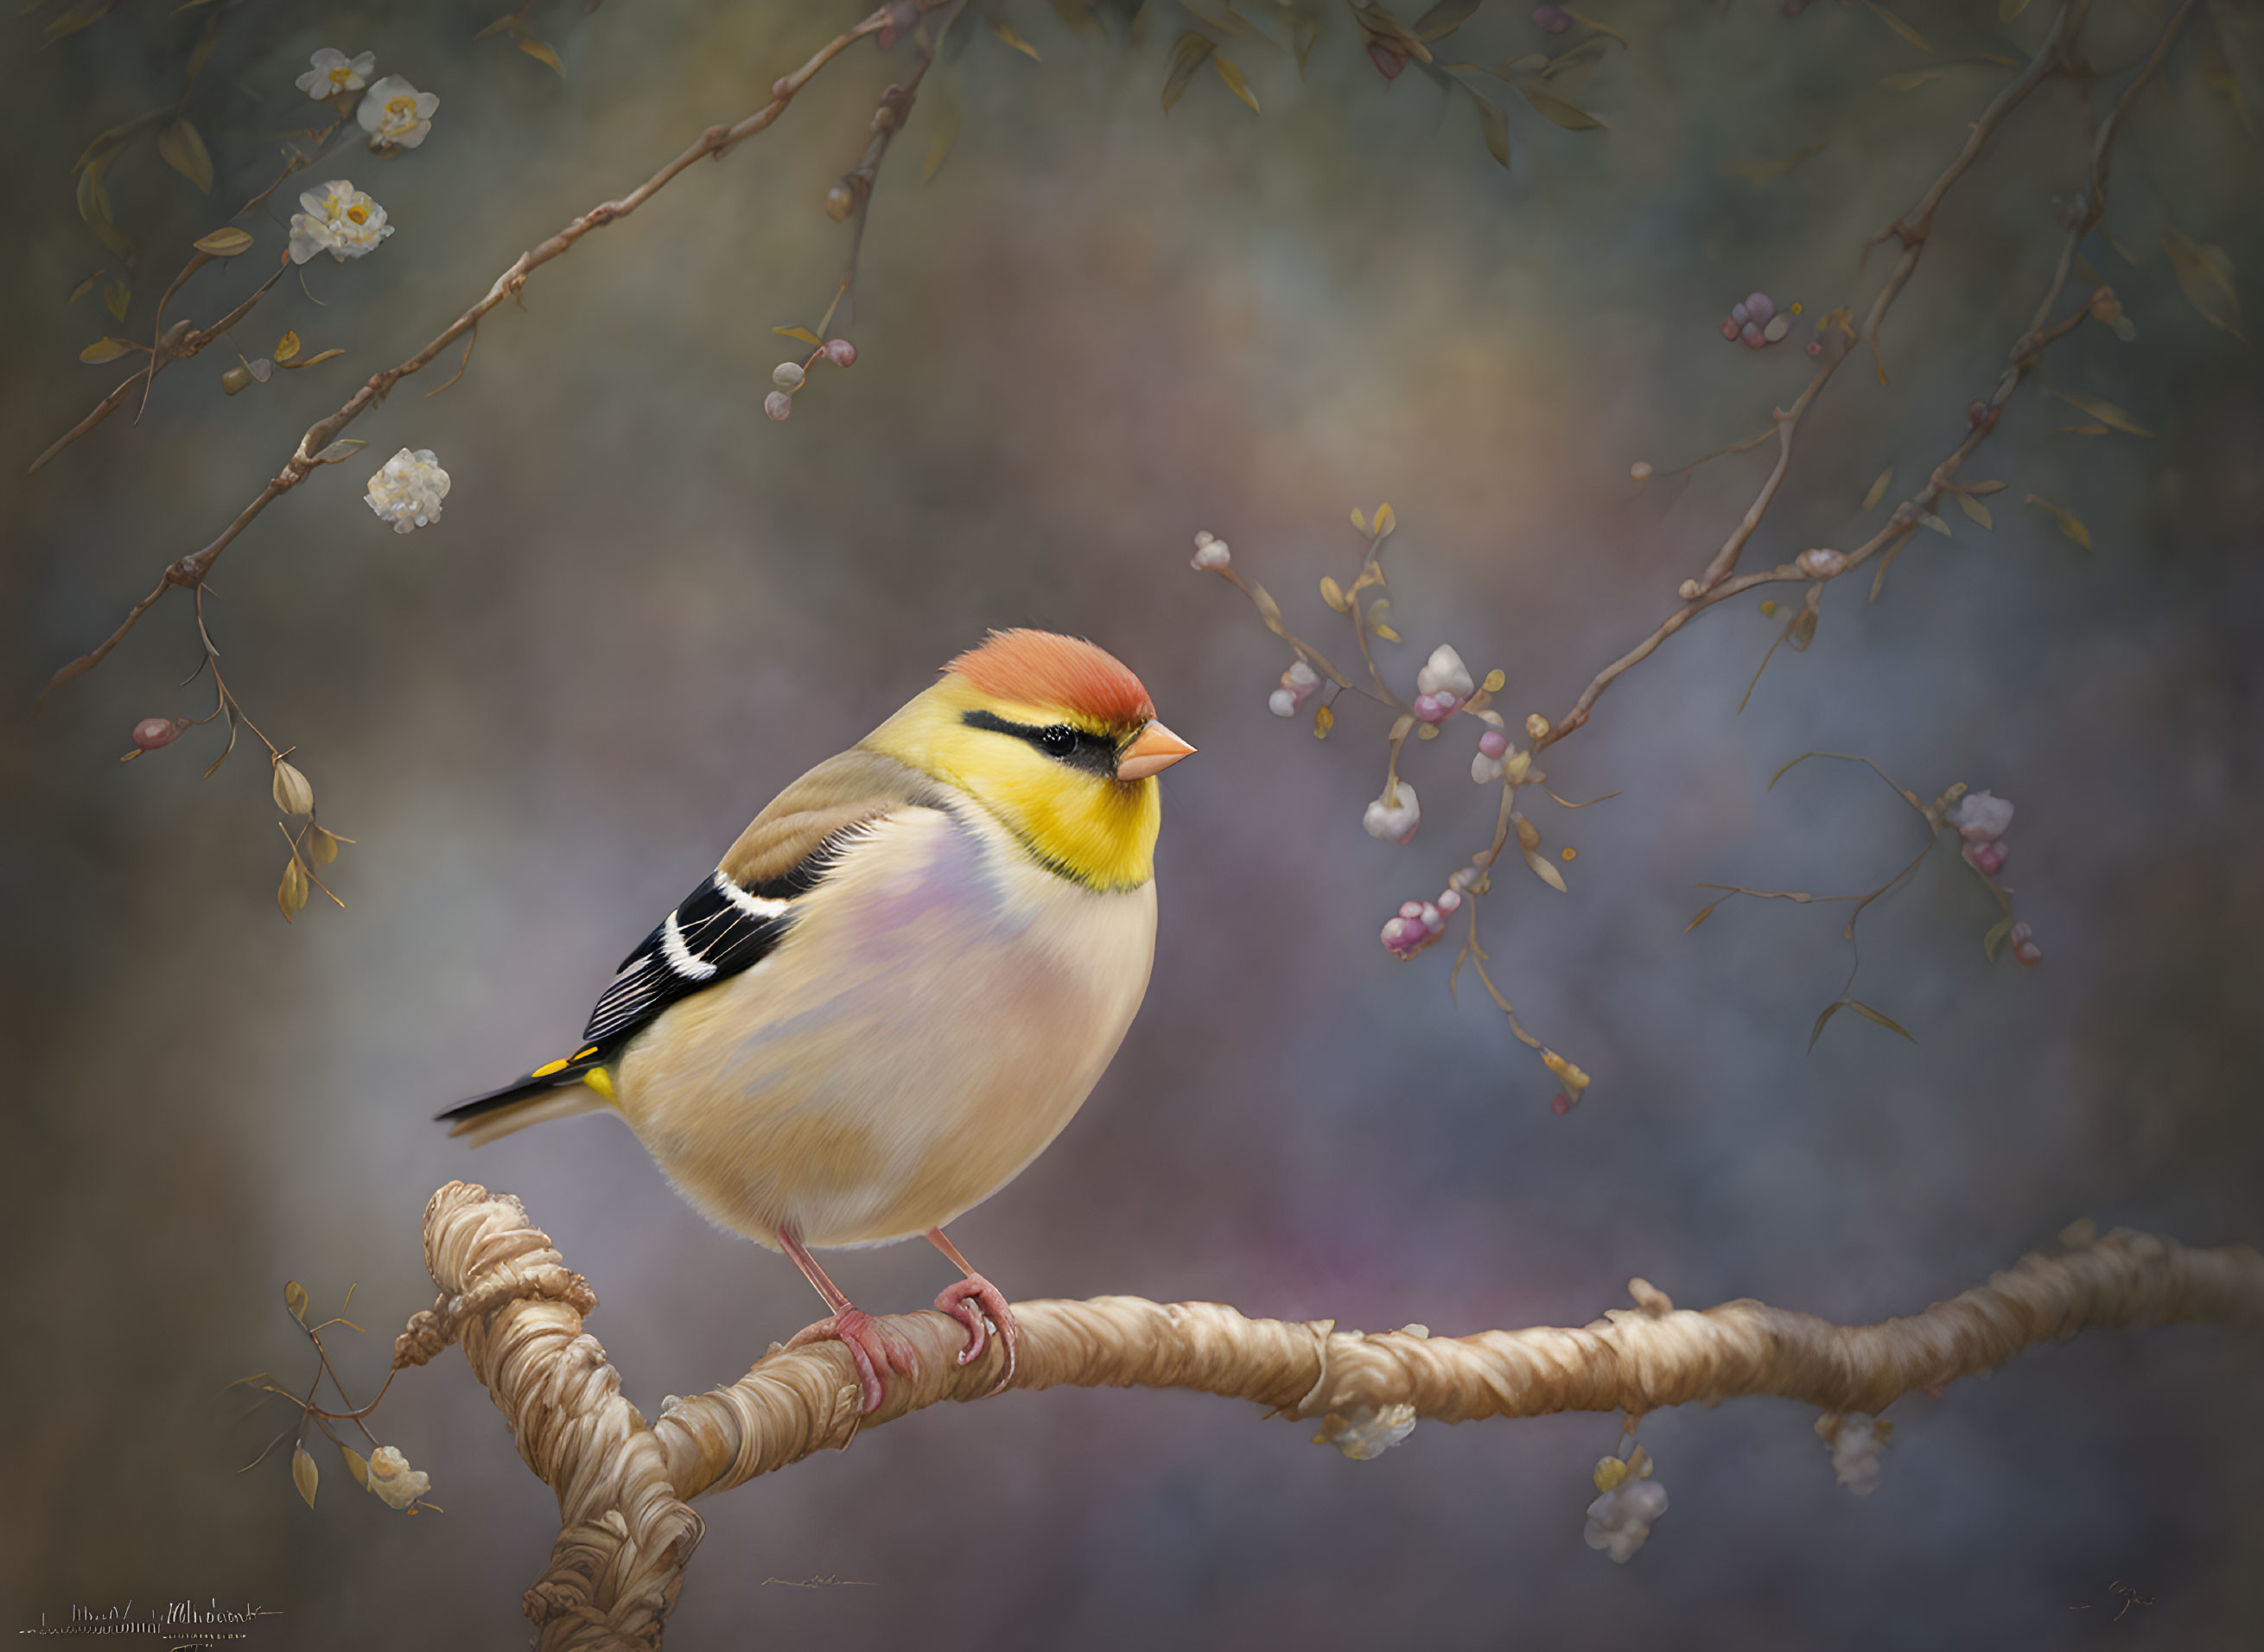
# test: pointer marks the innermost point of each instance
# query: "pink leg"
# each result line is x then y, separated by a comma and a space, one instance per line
969, 1302
874, 1349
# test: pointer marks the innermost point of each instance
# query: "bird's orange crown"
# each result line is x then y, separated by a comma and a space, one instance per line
1037, 668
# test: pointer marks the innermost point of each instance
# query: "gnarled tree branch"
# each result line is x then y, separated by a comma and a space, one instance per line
624, 1484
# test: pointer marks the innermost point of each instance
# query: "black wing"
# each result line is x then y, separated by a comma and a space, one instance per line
718, 929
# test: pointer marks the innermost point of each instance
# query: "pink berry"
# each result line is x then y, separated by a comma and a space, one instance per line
1815, 346
1978, 415
153, 732
1985, 858
1740, 314
1729, 328
1387, 62
778, 405
1562, 1106
1493, 742
2019, 933
1552, 19
1411, 908
1759, 307
1751, 334
1449, 900
841, 352
2029, 953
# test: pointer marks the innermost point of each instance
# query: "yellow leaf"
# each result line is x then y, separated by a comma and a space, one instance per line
1494, 679
1387, 633
286, 346
224, 243
1764, 172
356, 1465
1444, 18
116, 296
291, 894
1558, 110
1878, 490
1929, 520
1385, 521
104, 350
304, 1474
1899, 26
802, 333
2106, 412
2068, 525
321, 846
1004, 30
1188, 55
2205, 273
1230, 72
1704, 912
542, 54
2079, 430
294, 1298
312, 360
1323, 719
85, 286
1358, 520
1332, 594
1543, 871
294, 795
183, 150
1495, 126
235, 380
1975, 509
94, 206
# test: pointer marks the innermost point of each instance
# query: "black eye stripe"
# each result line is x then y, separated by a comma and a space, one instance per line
1094, 753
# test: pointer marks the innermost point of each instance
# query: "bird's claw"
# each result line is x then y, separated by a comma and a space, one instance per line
977, 1304
870, 1345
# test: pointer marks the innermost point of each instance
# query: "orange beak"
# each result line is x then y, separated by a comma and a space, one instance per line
1153, 749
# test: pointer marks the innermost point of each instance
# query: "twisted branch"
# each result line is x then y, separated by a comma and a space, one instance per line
624, 1484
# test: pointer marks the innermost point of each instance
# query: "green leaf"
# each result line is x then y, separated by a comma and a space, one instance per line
1230, 72
116, 295
2106, 412
304, 1474
1974, 508
1995, 937
183, 150
542, 54
1930, 520
1188, 55
294, 1298
1541, 869
85, 286
802, 333
1878, 490
104, 350
2071, 525
357, 1465
1559, 111
2205, 273
1861, 1009
1444, 18
1495, 125
94, 206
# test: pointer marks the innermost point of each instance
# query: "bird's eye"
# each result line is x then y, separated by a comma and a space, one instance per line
1059, 741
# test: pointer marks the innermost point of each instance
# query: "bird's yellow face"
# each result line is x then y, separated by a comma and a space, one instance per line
1078, 790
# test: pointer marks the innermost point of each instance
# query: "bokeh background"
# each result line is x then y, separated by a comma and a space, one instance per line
1093, 332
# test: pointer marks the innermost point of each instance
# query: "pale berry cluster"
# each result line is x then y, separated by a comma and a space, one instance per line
1394, 816
406, 495
2024, 945
1211, 552
1297, 683
1420, 923
1758, 322
789, 376
1620, 1519
1442, 685
1370, 1432
1856, 1441
1981, 819
1821, 561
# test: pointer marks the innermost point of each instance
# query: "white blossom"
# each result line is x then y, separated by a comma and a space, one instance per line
1368, 1432
1981, 818
1444, 673
1394, 817
340, 220
1210, 551
407, 493
1821, 561
1621, 1518
1857, 1441
1484, 770
392, 1478
1282, 703
334, 72
395, 114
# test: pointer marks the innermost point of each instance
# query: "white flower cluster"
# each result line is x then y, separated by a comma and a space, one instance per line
1394, 816
1981, 819
395, 113
1297, 685
394, 1480
1856, 1441
1442, 685
1370, 1432
407, 493
1620, 1520
340, 220
1211, 552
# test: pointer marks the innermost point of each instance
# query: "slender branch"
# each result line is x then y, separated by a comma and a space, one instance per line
624, 1484
716, 142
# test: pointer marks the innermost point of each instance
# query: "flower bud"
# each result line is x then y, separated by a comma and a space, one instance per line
1444, 675
1282, 703
153, 732
841, 352
1640, 470
840, 201
294, 795
778, 405
1209, 553
1395, 815
786, 375
1536, 727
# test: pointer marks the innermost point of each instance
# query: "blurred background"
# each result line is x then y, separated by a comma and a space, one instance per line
1094, 330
